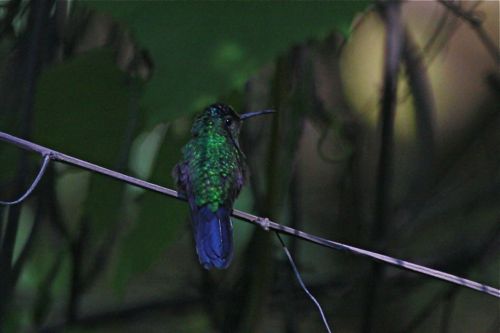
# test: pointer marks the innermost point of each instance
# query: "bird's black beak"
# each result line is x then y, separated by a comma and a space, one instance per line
247, 115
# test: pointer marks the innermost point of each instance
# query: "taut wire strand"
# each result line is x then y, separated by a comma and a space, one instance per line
262, 222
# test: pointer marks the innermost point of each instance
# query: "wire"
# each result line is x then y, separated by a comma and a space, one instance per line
301, 282
43, 168
264, 223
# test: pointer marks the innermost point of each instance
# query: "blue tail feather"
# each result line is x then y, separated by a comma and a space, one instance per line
213, 233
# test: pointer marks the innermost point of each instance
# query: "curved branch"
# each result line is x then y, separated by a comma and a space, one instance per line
264, 223
477, 26
43, 168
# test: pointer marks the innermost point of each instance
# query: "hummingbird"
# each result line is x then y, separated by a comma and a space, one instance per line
210, 176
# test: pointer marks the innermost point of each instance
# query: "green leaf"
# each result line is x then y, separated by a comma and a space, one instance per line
82, 107
159, 216
104, 199
202, 50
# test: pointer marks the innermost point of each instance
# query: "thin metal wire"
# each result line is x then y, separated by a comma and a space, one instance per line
250, 218
266, 224
43, 168
302, 284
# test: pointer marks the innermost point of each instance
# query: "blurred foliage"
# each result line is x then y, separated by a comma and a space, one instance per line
204, 49
119, 84
157, 220
81, 101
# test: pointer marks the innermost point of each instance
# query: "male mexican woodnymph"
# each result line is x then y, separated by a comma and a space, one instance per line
210, 176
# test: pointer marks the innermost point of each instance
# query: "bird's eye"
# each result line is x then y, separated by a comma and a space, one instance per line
229, 121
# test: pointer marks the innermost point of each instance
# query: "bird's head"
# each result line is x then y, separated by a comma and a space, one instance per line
222, 119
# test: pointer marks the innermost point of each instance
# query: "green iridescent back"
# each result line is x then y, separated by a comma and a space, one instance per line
213, 165
210, 176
